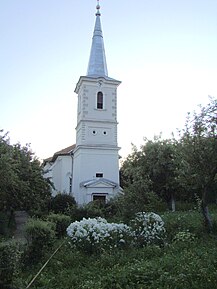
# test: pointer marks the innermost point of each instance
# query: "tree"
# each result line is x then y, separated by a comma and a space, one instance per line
199, 149
156, 165
161, 166
22, 186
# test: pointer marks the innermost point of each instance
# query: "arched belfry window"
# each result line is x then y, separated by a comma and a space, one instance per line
100, 100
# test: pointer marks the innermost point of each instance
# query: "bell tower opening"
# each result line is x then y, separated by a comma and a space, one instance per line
99, 100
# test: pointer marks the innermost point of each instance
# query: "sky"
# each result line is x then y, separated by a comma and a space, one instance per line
164, 52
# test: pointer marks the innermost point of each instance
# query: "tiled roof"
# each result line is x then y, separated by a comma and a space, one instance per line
47, 160
63, 152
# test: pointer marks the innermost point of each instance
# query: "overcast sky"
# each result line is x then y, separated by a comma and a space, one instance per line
164, 52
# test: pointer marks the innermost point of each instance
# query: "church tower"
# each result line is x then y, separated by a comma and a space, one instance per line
96, 158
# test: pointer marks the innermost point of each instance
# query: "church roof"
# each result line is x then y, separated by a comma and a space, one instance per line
64, 152
97, 62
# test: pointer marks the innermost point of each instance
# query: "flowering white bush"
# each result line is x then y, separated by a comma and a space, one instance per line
148, 228
97, 234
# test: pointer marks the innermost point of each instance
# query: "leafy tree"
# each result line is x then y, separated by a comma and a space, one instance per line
62, 203
162, 166
137, 184
199, 152
22, 186
152, 168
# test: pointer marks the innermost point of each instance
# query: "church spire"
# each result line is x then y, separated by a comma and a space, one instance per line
97, 63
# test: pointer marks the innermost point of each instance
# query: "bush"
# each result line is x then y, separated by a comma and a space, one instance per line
176, 222
184, 236
7, 224
185, 206
78, 213
148, 229
129, 204
62, 203
96, 235
61, 221
3, 224
91, 210
40, 236
9, 262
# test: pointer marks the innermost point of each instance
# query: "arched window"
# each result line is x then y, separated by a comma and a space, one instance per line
99, 100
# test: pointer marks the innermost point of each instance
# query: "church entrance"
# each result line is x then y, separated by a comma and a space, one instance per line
99, 198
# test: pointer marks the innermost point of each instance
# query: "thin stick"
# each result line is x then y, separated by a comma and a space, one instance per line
45, 264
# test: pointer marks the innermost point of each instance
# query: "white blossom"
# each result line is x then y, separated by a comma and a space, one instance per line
97, 231
148, 228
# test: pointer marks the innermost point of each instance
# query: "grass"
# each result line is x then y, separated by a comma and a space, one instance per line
182, 265
187, 263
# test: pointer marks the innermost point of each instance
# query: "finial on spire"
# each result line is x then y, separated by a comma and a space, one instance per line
97, 8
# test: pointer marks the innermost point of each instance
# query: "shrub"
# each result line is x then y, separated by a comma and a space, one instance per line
95, 235
3, 223
61, 221
78, 213
184, 206
184, 236
113, 209
95, 209
134, 201
176, 222
7, 224
62, 203
148, 229
40, 236
9, 262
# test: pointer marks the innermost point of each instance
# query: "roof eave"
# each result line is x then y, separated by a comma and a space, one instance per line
95, 78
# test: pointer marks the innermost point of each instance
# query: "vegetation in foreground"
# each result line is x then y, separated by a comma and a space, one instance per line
187, 258
177, 174
184, 264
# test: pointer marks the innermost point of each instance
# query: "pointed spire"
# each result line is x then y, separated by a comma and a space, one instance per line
97, 63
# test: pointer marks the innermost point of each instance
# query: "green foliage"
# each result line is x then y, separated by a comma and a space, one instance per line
153, 168
198, 151
61, 221
176, 222
112, 210
177, 266
138, 198
184, 236
176, 169
190, 262
62, 203
95, 209
9, 262
22, 186
40, 236
3, 223
186, 206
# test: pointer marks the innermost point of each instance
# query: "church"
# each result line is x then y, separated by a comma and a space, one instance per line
89, 170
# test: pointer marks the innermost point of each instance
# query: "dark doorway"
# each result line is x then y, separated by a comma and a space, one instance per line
99, 198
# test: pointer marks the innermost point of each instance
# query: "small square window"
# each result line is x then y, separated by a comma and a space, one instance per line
99, 175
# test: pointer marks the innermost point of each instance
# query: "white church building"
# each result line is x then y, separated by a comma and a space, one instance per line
89, 170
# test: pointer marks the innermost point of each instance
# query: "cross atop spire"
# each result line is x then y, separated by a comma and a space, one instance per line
98, 7
97, 63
